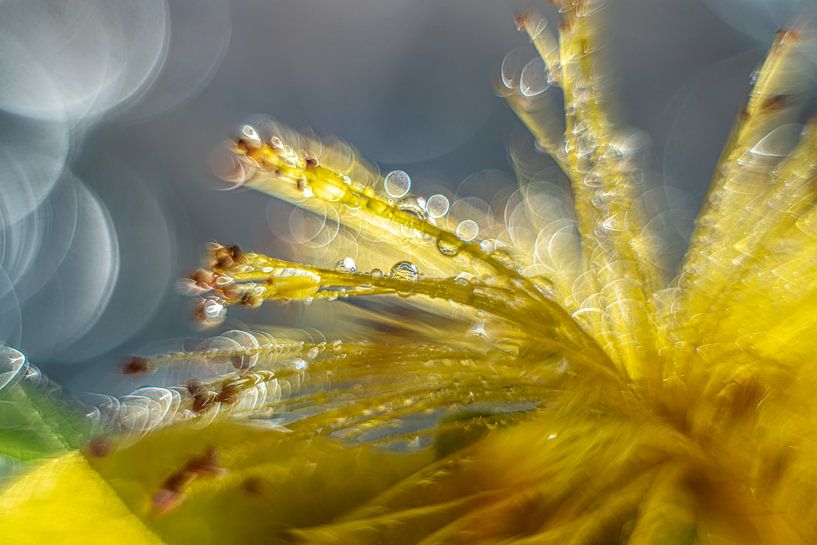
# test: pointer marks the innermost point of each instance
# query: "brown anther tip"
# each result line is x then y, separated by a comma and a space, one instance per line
202, 400
523, 18
231, 291
99, 447
194, 387
787, 33
199, 314
135, 365
240, 146
311, 162
228, 394
202, 277
225, 256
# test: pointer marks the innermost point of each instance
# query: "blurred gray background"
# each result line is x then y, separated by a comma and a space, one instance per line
110, 109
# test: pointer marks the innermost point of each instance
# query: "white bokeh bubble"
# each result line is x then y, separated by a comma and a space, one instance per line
199, 38
46, 234
73, 299
32, 158
10, 315
62, 59
146, 259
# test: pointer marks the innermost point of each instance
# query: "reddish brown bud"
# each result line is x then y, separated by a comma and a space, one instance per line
135, 365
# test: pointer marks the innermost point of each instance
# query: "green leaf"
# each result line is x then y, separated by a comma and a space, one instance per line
35, 421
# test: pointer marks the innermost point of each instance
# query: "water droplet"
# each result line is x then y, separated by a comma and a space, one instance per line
463, 279
12, 365
397, 183
777, 143
250, 136
478, 330
503, 256
413, 206
405, 270
614, 223
299, 364
468, 230
449, 247
513, 64
223, 280
582, 94
534, 79
213, 312
600, 200
346, 265
437, 206
328, 192
488, 245
377, 273
593, 179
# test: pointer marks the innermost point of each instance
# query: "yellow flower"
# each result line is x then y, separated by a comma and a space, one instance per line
537, 380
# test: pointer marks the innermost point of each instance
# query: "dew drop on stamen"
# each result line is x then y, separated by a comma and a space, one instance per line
223, 280
250, 136
463, 278
487, 245
414, 206
534, 79
467, 230
376, 273
346, 265
214, 312
299, 363
777, 143
397, 184
12, 365
513, 64
405, 270
593, 179
449, 247
437, 206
